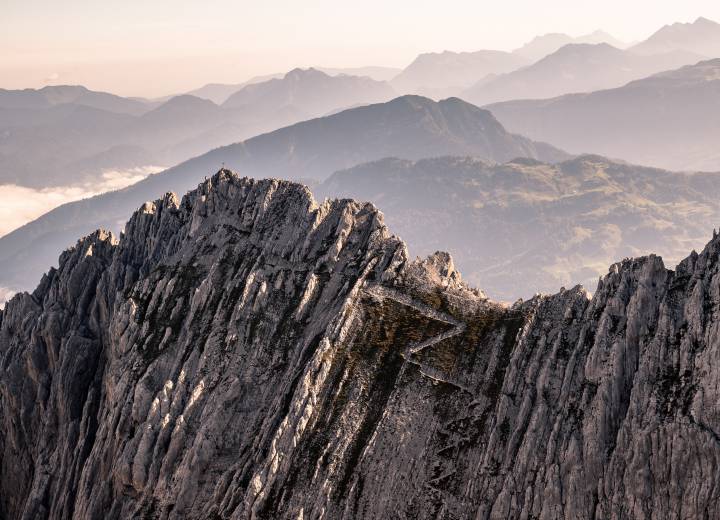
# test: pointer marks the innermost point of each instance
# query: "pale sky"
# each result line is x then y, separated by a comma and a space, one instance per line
160, 47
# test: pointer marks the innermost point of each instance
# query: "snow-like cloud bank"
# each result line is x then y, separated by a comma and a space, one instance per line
5, 295
19, 204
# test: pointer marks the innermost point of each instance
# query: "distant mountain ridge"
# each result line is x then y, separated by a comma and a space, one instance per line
378, 73
701, 36
554, 64
218, 93
309, 91
409, 127
669, 120
576, 67
524, 226
71, 94
447, 73
72, 126
546, 44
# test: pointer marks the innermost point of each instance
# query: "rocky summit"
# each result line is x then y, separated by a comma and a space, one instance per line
248, 353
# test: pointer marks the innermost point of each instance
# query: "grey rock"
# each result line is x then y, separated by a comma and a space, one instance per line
248, 353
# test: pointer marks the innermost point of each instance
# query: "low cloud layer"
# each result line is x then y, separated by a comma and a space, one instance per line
19, 204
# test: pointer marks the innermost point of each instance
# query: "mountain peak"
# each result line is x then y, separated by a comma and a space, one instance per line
701, 20
585, 48
65, 89
187, 99
282, 345
701, 37
546, 44
441, 73
299, 74
413, 99
184, 102
310, 92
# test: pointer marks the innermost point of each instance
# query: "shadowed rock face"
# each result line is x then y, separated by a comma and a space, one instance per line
246, 353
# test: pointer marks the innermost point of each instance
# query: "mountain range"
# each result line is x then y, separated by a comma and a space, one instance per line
558, 64
410, 127
701, 36
555, 64
445, 74
439, 75
523, 227
83, 133
247, 352
218, 93
311, 92
47, 97
515, 228
575, 68
669, 120
291, 338
547, 44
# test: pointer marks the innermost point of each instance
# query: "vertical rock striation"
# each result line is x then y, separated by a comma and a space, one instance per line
247, 353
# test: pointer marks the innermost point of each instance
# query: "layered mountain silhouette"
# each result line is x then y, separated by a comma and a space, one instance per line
309, 92
218, 93
554, 64
410, 127
701, 37
447, 73
524, 226
51, 96
670, 120
71, 126
444, 74
546, 44
575, 68
378, 73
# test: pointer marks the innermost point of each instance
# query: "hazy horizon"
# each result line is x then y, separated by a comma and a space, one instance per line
165, 48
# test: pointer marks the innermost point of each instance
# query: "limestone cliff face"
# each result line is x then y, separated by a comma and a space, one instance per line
247, 353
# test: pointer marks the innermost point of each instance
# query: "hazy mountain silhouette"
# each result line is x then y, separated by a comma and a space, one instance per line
541, 46
70, 94
701, 37
219, 92
410, 127
575, 68
440, 74
60, 135
524, 226
309, 91
670, 120
372, 72
72, 127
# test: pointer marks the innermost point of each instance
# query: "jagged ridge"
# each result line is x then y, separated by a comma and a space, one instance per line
247, 353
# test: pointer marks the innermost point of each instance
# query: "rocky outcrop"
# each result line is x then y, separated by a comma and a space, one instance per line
247, 353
